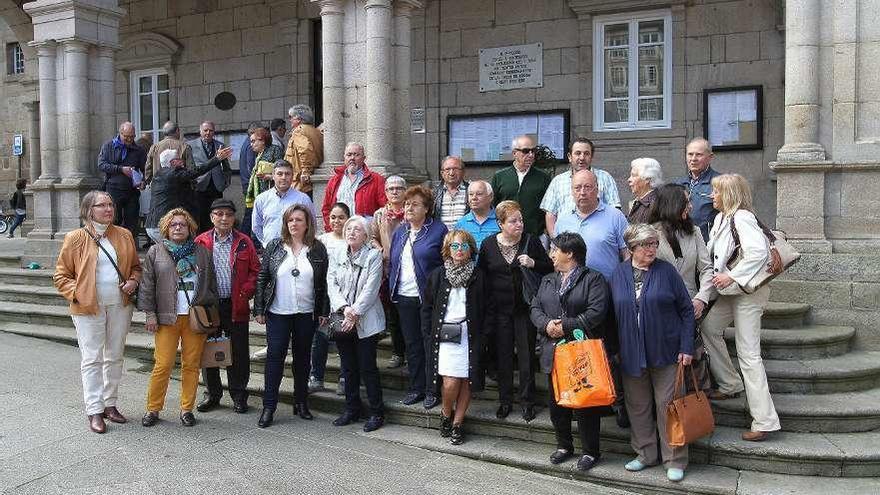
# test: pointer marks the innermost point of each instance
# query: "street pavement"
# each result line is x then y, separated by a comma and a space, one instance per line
46, 447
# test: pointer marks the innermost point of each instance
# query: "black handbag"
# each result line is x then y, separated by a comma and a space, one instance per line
531, 280
333, 328
133, 297
450, 332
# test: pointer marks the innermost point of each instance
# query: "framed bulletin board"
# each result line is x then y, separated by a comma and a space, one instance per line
485, 139
733, 118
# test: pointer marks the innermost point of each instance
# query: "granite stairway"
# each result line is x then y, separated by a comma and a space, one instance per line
827, 393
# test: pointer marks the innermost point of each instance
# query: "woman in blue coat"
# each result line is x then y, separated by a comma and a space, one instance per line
655, 320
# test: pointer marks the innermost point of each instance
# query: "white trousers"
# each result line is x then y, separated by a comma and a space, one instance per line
745, 312
101, 340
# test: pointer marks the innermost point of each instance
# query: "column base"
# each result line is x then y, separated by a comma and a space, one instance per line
41, 250
801, 152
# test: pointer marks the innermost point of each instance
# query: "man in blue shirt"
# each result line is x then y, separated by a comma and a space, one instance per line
600, 225
270, 205
699, 183
480, 222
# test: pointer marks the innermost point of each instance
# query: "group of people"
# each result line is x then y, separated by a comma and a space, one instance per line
460, 276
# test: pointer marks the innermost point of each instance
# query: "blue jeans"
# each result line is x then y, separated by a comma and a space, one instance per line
358, 357
320, 344
410, 309
18, 221
283, 331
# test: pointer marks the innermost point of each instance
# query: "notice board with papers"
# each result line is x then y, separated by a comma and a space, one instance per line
485, 139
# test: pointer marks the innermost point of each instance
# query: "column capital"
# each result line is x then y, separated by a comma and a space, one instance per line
75, 45
44, 48
406, 7
371, 4
330, 7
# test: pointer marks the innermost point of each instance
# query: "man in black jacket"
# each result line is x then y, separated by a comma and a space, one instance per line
122, 162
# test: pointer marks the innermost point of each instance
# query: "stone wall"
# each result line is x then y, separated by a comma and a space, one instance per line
715, 44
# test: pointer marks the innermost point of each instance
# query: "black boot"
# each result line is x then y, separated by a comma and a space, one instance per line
266, 418
445, 426
457, 437
302, 410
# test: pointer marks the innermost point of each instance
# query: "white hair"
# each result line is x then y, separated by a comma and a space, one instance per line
638, 233
649, 169
166, 157
513, 144
484, 184
358, 219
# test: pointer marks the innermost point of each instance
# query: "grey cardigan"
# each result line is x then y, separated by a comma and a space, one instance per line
694, 266
356, 283
157, 296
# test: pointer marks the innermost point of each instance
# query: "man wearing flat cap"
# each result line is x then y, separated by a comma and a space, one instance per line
236, 266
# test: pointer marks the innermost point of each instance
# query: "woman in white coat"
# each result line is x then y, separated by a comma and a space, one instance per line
732, 197
353, 281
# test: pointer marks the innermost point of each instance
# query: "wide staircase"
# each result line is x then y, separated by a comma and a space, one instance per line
827, 394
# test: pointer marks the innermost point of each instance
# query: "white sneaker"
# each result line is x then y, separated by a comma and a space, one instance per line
340, 387
315, 385
261, 354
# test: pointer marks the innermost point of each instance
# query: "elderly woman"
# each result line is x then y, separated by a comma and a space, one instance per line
97, 271
682, 244
291, 297
574, 297
732, 197
353, 282
644, 177
503, 257
336, 245
266, 156
454, 312
415, 253
655, 323
178, 274
385, 222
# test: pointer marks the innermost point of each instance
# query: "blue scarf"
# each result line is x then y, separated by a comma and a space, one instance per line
117, 144
183, 255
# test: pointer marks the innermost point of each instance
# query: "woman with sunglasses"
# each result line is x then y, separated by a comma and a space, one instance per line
291, 297
453, 315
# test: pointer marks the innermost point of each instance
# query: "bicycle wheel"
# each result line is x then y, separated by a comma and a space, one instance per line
4, 225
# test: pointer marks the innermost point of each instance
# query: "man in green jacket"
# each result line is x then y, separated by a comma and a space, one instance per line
524, 184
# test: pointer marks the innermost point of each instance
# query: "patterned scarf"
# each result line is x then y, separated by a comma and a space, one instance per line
570, 280
184, 256
458, 275
392, 214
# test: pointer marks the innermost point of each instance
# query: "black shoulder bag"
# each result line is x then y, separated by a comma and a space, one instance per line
134, 295
531, 280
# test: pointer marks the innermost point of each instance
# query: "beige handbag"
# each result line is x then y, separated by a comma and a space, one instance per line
782, 256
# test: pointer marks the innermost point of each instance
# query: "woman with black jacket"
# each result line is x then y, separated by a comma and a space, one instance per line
574, 297
455, 302
503, 258
291, 297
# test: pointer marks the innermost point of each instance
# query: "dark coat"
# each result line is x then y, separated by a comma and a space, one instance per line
584, 305
273, 255
478, 309
664, 326
171, 188
111, 161
505, 280
505, 184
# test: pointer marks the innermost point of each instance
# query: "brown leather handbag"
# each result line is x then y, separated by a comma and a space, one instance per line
202, 319
688, 417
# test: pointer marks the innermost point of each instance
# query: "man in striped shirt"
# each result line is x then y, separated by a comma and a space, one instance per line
451, 196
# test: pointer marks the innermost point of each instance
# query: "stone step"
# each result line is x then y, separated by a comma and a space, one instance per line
806, 342
784, 315
31, 294
812, 454
10, 261
851, 372
830, 413
21, 276
51, 315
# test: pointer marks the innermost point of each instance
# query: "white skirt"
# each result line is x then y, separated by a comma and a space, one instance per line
453, 358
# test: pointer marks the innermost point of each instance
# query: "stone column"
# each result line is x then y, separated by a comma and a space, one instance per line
102, 75
73, 115
44, 205
379, 144
333, 94
402, 81
33, 109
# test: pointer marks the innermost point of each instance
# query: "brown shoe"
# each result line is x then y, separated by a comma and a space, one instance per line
755, 436
96, 423
716, 395
114, 415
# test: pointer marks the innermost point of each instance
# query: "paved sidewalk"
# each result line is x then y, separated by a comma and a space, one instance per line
46, 448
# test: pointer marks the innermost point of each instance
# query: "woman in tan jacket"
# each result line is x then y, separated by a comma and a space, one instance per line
97, 271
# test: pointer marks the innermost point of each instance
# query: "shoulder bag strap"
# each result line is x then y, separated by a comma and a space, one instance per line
115, 266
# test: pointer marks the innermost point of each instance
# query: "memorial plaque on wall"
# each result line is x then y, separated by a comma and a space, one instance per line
512, 67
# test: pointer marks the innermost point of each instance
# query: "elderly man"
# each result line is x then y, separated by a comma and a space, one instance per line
207, 150
699, 183
236, 265
644, 177
600, 225
122, 162
451, 196
170, 141
355, 185
270, 205
523, 183
558, 198
480, 221
305, 149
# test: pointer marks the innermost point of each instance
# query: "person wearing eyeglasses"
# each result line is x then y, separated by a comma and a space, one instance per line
655, 324
178, 274
451, 194
523, 183
456, 307
291, 299
100, 305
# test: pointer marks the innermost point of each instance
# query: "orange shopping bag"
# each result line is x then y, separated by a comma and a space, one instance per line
581, 375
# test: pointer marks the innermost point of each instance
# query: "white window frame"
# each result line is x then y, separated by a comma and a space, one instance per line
135, 94
633, 19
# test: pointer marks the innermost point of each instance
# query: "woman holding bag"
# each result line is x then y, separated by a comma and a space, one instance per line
98, 272
266, 156
732, 197
655, 322
574, 297
178, 274
353, 281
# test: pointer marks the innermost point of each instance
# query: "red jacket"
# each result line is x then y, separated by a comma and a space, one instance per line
245, 267
369, 197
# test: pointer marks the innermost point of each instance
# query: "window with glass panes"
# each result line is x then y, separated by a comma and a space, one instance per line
150, 101
14, 59
632, 86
